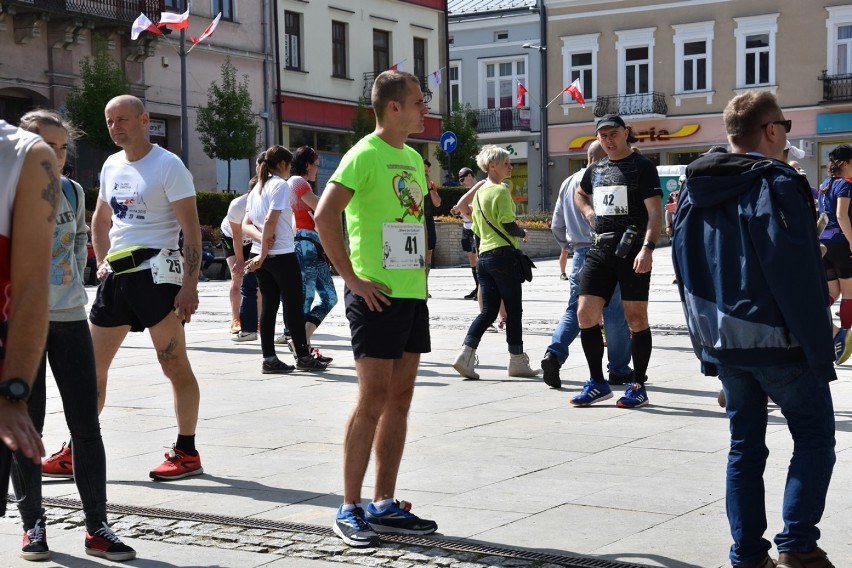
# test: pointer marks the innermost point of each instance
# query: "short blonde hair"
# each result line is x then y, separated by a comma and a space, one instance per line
491, 154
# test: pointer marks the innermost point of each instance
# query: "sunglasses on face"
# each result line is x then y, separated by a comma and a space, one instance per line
787, 124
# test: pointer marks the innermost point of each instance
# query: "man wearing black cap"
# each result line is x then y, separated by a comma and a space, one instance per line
620, 196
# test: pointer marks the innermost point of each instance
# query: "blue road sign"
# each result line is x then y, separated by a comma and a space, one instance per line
449, 141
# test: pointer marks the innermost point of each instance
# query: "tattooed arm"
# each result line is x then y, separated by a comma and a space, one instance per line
186, 302
33, 222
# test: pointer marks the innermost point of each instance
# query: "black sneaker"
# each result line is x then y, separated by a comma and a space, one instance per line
354, 529
616, 379
310, 363
276, 367
106, 544
35, 543
472, 295
397, 519
550, 370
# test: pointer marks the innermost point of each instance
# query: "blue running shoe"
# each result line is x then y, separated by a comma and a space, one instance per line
354, 529
842, 346
397, 519
634, 396
592, 392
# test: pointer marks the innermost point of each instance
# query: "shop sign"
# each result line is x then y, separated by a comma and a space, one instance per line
157, 127
649, 135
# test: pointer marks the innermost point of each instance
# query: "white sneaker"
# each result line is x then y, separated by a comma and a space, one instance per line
282, 339
244, 336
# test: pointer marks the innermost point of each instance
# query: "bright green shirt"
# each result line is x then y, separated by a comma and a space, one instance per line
496, 203
389, 186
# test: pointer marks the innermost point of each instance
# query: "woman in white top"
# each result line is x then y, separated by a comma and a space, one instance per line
269, 223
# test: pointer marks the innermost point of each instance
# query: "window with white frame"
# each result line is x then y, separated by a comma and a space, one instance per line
635, 61
293, 40
693, 60
755, 39
839, 54
580, 61
453, 73
499, 81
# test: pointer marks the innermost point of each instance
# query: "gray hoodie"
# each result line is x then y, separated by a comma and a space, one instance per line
568, 226
67, 294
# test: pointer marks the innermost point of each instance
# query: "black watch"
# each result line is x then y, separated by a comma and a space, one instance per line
15, 389
650, 244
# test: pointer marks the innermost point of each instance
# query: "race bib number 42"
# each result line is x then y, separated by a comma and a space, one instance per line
167, 268
610, 200
404, 245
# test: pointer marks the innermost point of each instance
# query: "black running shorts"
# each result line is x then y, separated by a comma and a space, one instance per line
401, 327
132, 299
837, 260
603, 270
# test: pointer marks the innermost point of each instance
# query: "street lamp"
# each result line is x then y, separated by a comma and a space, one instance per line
542, 50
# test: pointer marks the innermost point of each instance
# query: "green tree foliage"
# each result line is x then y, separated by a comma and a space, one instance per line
101, 79
462, 121
227, 127
363, 123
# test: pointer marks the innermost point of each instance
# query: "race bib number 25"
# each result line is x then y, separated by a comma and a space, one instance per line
167, 268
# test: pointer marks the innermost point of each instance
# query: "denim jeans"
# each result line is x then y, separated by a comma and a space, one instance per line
72, 360
499, 280
617, 333
805, 401
316, 278
248, 303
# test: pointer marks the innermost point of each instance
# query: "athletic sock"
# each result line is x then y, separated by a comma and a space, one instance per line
593, 348
640, 345
383, 504
186, 444
845, 313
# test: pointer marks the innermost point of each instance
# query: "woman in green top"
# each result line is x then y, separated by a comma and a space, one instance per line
498, 269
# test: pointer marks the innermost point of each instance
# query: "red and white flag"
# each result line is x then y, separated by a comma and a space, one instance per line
397, 66
143, 24
521, 92
208, 31
574, 90
174, 21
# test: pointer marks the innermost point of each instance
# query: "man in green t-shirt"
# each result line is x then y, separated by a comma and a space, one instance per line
381, 184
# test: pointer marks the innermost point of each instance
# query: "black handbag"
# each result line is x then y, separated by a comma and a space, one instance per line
525, 263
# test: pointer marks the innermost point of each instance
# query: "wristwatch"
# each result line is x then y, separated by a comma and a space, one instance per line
650, 244
15, 389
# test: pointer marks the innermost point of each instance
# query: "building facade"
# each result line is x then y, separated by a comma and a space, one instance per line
669, 68
328, 55
44, 42
495, 66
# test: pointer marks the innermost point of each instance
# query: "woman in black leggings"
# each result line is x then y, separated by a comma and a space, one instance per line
269, 223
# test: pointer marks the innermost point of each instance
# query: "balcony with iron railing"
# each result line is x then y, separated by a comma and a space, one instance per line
105, 12
632, 105
501, 119
836, 88
370, 78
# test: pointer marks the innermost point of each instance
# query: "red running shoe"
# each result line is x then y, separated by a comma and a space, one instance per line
177, 466
106, 544
60, 464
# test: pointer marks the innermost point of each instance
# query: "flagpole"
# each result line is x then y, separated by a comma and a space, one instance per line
184, 119
554, 98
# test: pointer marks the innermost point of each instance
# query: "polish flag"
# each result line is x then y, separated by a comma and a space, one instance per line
521, 92
174, 21
143, 24
208, 31
396, 66
574, 90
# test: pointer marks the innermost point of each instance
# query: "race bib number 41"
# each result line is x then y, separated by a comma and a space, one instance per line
610, 200
167, 268
404, 245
